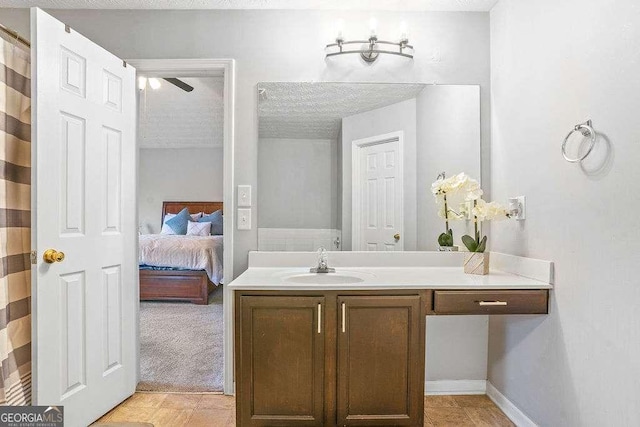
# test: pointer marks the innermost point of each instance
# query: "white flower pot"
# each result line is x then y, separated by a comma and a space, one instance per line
447, 248
476, 263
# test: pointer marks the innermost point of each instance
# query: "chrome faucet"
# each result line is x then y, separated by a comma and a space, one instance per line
323, 265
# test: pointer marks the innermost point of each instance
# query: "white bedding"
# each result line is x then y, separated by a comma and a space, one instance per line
188, 252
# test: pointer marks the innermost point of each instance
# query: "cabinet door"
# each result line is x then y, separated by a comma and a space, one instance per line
281, 362
380, 360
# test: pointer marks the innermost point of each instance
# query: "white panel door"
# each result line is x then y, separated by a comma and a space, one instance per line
380, 197
84, 157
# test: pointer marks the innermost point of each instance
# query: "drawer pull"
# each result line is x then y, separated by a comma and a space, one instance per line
319, 318
491, 302
344, 315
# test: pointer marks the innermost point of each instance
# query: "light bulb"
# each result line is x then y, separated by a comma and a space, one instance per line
340, 29
373, 24
154, 83
142, 83
403, 31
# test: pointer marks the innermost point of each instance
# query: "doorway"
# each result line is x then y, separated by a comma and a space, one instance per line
378, 196
190, 70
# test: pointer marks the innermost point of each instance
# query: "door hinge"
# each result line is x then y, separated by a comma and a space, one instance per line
34, 257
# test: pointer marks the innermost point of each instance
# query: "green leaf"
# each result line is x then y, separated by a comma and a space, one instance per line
470, 243
483, 245
446, 239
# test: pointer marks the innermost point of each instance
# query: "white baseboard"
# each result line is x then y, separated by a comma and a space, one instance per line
455, 387
515, 415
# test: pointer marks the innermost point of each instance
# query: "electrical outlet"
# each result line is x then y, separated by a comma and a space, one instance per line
244, 219
244, 196
517, 207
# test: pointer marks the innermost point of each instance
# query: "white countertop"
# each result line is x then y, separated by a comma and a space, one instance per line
375, 278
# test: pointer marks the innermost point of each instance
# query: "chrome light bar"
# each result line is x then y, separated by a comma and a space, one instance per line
369, 50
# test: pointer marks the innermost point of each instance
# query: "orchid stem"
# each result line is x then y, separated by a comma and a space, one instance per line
475, 223
446, 215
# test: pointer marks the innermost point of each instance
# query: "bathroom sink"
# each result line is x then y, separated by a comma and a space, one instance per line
324, 279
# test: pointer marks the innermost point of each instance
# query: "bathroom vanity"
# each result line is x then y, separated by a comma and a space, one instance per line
348, 347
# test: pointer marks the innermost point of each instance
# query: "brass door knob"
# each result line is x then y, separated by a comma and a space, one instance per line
396, 236
51, 255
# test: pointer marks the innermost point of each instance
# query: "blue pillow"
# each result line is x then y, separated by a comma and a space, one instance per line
179, 222
216, 222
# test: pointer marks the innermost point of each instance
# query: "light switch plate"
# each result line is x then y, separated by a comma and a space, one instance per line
244, 196
244, 219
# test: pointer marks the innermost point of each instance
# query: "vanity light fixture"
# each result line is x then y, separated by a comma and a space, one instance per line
370, 49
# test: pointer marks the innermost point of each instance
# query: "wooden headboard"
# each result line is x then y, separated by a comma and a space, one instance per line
194, 207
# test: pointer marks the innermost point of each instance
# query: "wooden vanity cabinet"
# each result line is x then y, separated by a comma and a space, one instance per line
380, 371
339, 358
280, 361
346, 358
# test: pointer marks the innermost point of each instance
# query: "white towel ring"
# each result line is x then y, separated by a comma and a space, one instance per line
585, 129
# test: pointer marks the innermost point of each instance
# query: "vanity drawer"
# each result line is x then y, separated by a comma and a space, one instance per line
491, 302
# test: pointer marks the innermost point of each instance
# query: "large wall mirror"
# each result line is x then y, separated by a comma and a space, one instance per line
349, 166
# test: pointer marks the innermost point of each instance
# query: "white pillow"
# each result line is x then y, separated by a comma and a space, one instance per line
198, 228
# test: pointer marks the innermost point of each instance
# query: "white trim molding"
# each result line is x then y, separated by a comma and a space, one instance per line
356, 202
203, 67
510, 410
455, 387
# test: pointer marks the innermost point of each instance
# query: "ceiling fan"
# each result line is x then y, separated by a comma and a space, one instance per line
154, 83
179, 83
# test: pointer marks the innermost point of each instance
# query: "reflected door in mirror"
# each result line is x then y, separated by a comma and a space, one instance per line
380, 187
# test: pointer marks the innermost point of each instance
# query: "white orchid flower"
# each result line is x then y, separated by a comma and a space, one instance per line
489, 211
456, 185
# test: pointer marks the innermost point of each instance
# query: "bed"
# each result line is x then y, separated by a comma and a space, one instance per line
168, 283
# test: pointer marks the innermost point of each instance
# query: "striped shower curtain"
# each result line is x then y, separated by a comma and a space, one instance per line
15, 223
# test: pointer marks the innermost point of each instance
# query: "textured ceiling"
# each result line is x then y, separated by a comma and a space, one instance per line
401, 5
315, 110
173, 118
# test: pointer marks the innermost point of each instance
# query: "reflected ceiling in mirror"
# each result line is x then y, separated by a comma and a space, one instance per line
320, 144
315, 110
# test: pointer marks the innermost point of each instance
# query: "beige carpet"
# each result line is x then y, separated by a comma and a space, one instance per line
181, 346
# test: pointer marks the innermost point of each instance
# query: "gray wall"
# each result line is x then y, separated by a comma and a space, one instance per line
298, 183
182, 174
448, 134
392, 118
287, 46
555, 64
